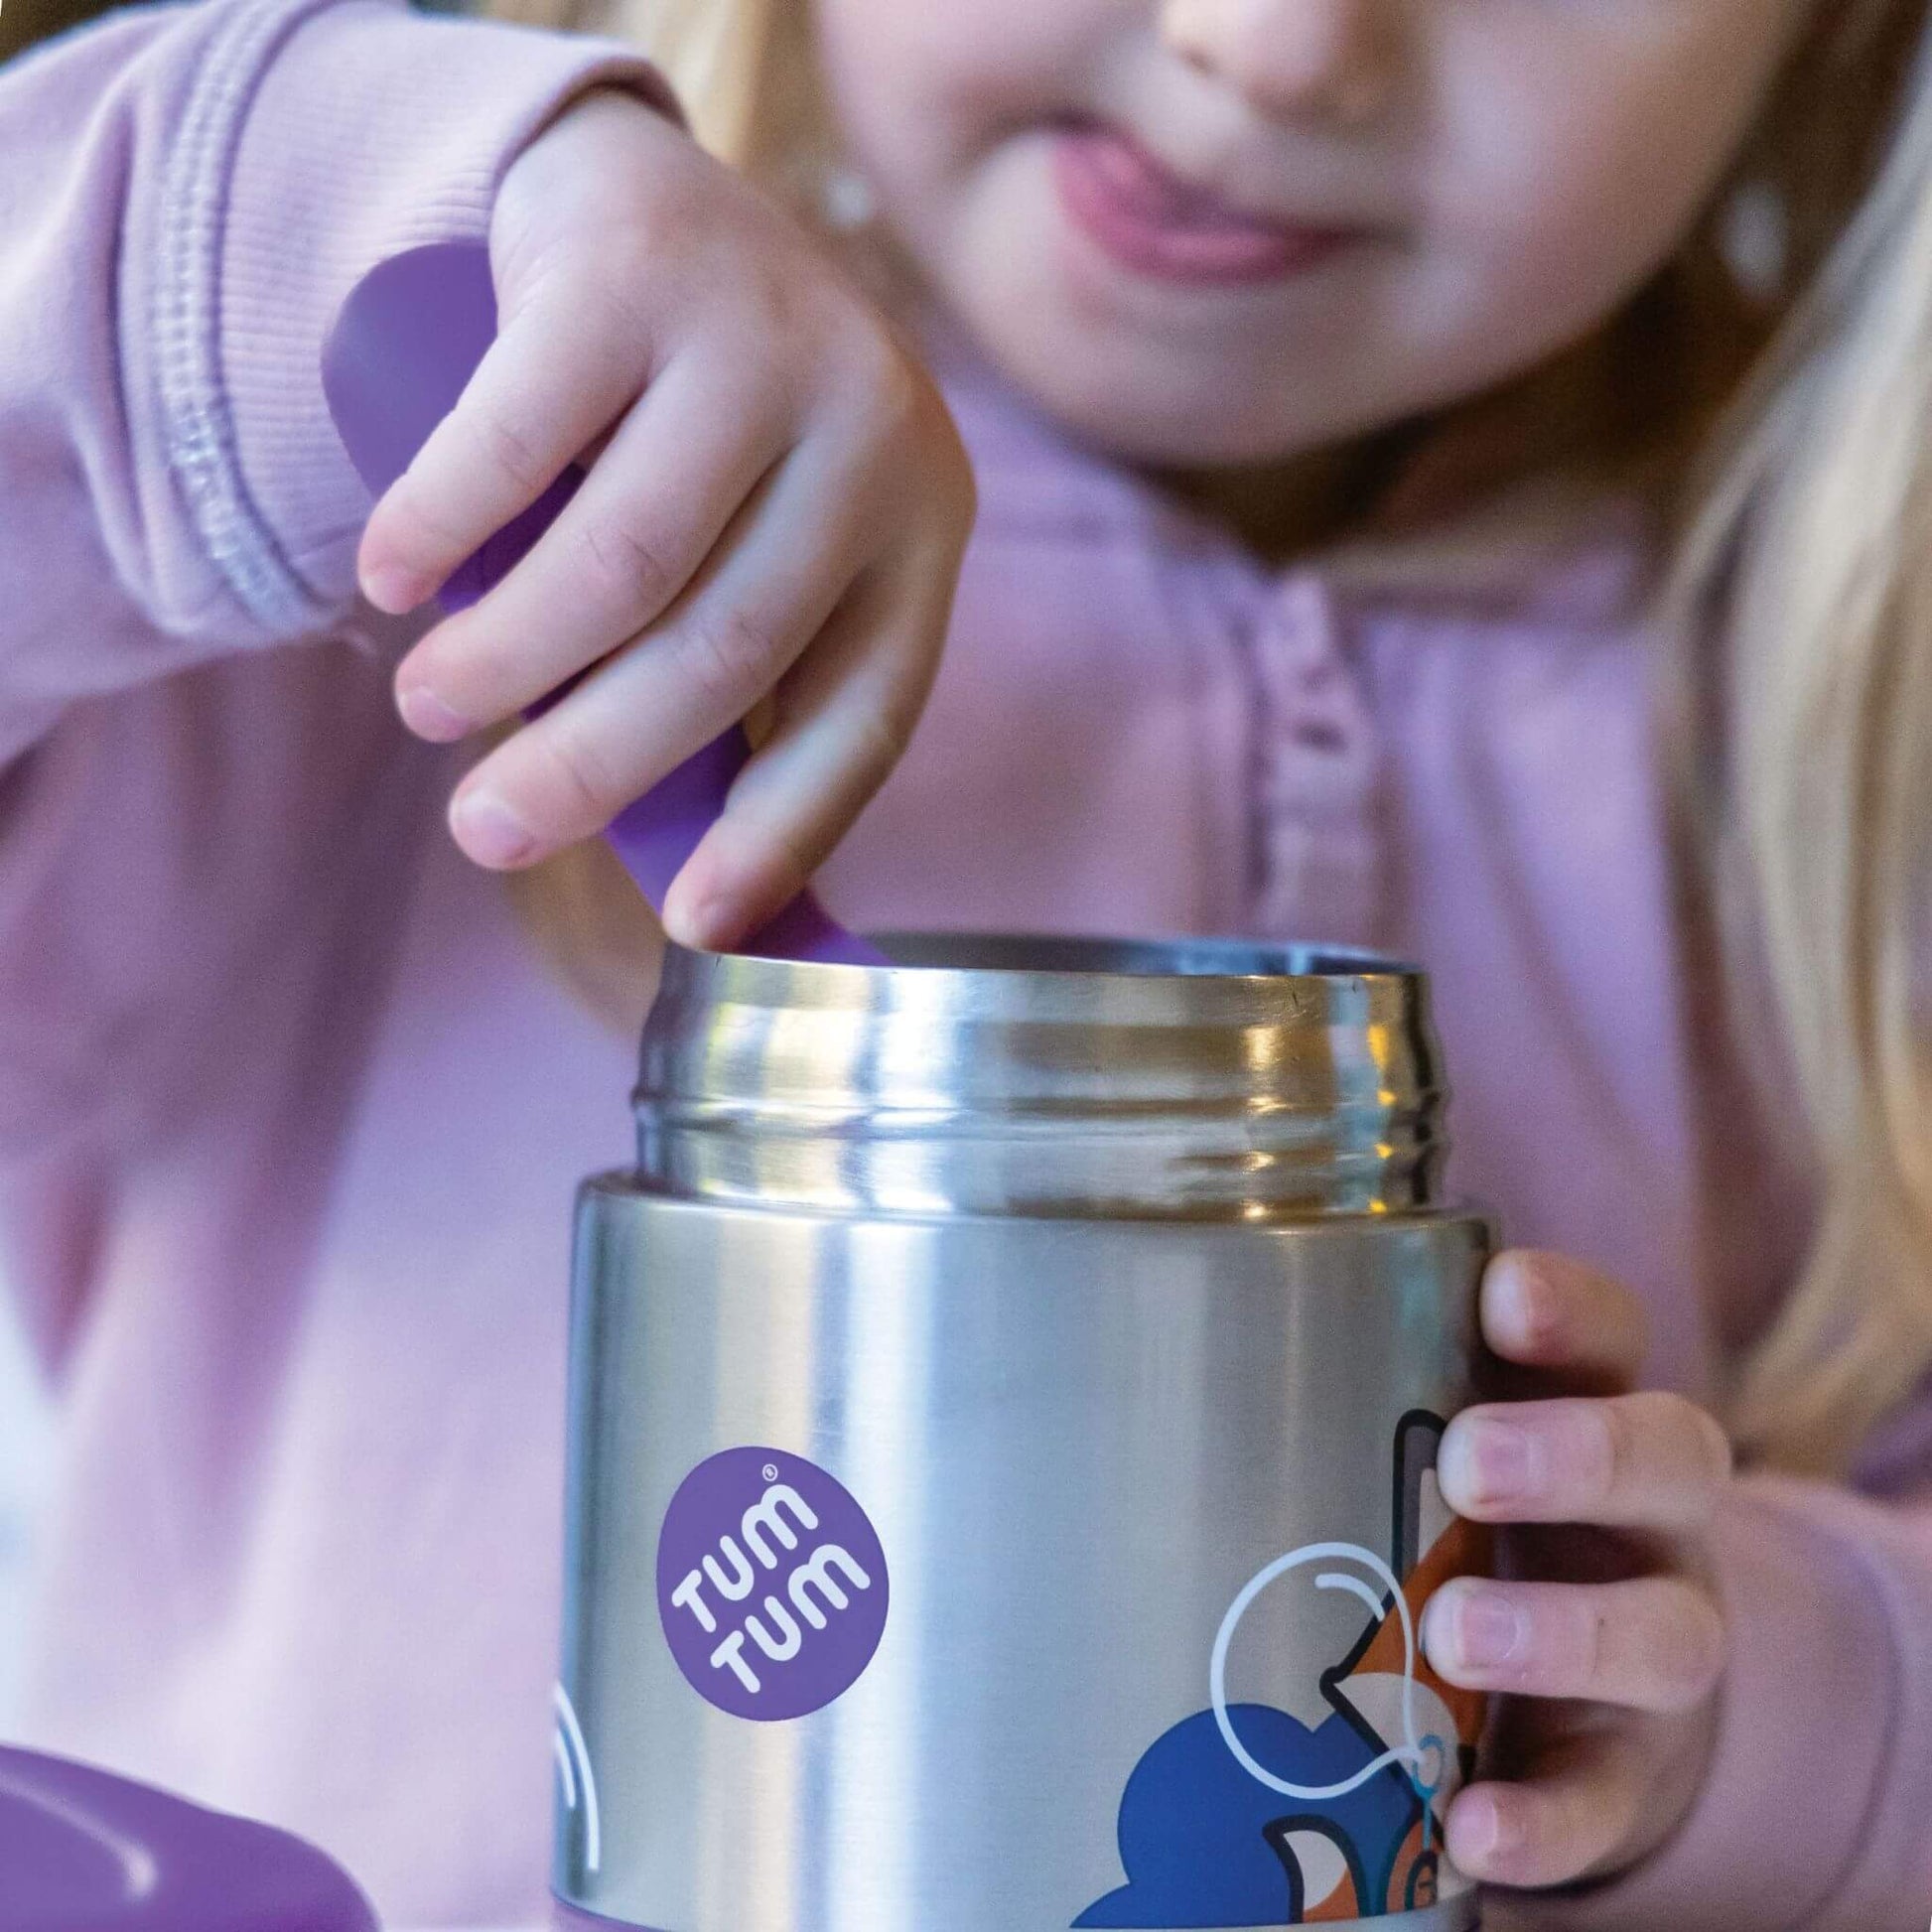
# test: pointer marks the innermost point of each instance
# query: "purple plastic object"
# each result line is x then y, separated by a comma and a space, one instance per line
404, 346
83, 1852
573, 1918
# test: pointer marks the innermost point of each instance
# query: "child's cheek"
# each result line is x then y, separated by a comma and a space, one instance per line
1572, 149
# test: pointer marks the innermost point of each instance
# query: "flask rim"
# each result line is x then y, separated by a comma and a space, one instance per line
1217, 981
1046, 1076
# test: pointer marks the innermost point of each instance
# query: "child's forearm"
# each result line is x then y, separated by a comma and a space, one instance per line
1814, 1813
186, 193
187, 196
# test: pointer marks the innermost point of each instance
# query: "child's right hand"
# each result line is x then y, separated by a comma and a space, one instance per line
776, 508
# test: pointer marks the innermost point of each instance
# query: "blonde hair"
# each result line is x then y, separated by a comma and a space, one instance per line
1808, 582
1804, 592
743, 70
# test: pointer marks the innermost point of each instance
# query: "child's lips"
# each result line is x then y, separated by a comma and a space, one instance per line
1155, 223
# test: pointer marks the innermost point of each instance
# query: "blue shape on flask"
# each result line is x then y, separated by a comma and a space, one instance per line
1194, 1828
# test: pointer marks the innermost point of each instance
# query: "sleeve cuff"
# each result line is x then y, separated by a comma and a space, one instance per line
324, 139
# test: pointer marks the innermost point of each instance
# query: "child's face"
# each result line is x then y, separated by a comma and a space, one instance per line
1229, 231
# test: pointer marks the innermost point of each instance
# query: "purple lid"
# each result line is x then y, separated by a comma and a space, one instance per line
573, 1918
83, 1852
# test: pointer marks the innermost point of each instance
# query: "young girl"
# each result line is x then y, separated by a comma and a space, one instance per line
1334, 375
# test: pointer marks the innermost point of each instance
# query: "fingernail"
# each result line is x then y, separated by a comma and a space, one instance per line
1478, 1827
394, 588
711, 923
1511, 1298
1511, 1832
1485, 1629
429, 716
1498, 1461
488, 830
1492, 1834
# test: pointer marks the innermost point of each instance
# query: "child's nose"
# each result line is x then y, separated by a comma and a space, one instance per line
1288, 57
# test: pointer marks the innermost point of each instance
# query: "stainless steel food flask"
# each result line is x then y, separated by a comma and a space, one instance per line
1004, 1405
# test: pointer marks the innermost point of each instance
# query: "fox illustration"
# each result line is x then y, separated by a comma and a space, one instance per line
1243, 1816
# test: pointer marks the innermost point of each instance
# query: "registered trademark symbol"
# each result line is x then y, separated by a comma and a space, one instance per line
770, 1472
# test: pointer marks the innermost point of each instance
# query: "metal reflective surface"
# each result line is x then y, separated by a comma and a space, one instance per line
1069, 1077
1104, 1316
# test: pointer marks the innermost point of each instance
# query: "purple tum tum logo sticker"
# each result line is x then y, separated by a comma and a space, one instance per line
771, 1584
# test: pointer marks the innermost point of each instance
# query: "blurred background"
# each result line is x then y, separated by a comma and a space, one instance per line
21, 21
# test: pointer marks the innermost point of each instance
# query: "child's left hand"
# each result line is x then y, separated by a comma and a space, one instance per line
1608, 1630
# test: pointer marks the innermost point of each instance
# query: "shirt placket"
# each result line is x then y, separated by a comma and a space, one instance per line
1321, 861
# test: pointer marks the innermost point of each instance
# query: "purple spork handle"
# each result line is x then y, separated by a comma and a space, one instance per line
404, 345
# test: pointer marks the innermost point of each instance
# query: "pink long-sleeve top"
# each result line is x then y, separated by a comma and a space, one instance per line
291, 1113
